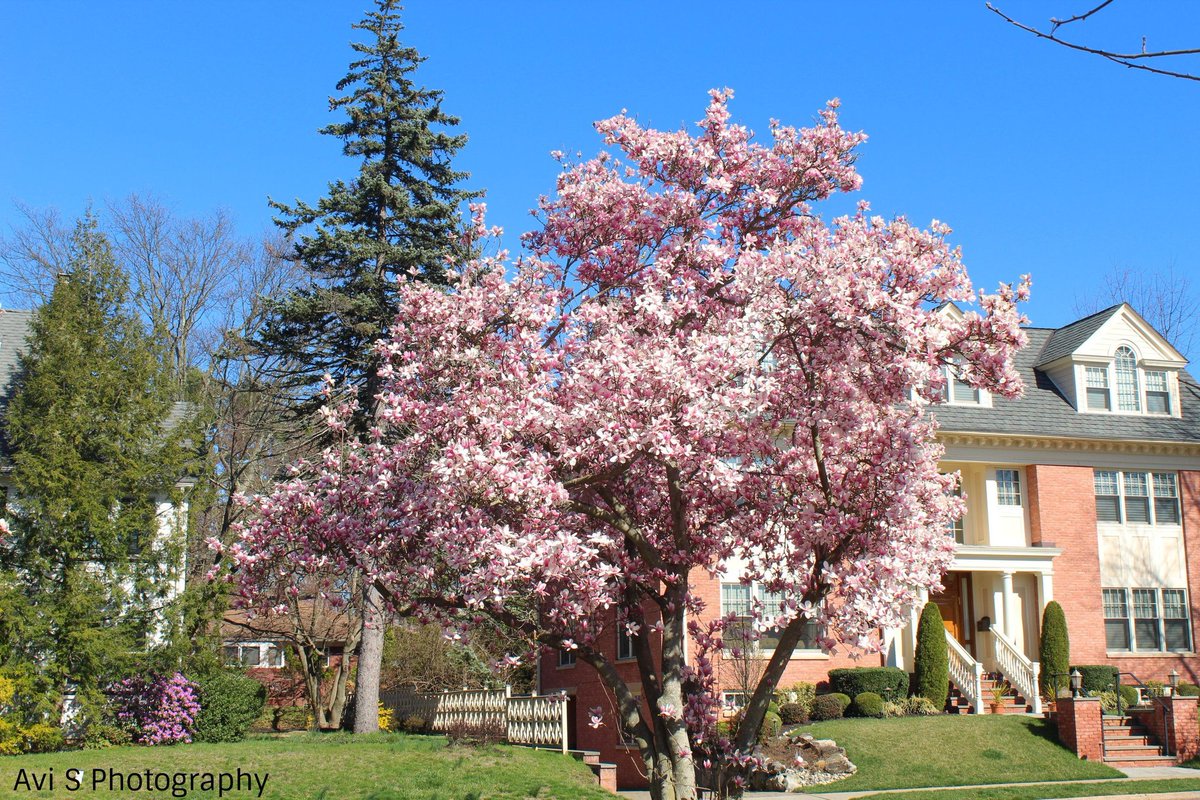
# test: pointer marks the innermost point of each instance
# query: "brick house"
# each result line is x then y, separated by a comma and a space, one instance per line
1086, 490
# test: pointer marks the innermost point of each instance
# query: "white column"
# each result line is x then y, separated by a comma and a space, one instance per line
1009, 614
1045, 588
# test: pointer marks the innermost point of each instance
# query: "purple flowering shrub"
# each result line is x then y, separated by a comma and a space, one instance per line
157, 709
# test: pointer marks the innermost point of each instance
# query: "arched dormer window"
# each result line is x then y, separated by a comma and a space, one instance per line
1128, 395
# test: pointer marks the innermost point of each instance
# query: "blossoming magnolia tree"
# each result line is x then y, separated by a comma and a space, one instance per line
688, 367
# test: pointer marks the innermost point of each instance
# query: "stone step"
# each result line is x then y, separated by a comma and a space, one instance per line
1126, 750
1142, 761
1127, 739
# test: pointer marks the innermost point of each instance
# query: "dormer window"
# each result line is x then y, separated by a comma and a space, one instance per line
1125, 363
1139, 389
958, 392
1098, 397
1158, 393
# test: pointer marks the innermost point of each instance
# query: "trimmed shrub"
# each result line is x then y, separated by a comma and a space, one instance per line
1054, 652
843, 699
1129, 696
889, 682
772, 725
827, 706
772, 707
1188, 690
1096, 677
793, 714
867, 704
931, 665
229, 705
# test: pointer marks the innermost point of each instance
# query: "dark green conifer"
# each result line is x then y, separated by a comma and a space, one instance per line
1055, 651
931, 661
91, 457
396, 218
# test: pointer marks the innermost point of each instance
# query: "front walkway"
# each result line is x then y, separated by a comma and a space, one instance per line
1134, 774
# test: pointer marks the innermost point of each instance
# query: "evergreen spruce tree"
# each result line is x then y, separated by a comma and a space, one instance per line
931, 663
90, 456
396, 218
1054, 652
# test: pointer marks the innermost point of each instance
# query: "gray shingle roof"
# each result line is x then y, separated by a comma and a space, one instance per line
1044, 411
1066, 340
14, 328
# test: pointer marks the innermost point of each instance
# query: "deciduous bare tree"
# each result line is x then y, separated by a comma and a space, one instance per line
1167, 298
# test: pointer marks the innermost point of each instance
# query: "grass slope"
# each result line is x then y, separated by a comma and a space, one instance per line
332, 767
914, 752
1051, 790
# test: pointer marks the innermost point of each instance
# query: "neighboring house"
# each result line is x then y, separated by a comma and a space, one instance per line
261, 645
1086, 490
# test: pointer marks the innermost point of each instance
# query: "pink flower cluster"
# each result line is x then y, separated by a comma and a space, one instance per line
157, 709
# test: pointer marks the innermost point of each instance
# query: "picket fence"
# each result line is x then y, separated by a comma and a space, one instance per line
539, 720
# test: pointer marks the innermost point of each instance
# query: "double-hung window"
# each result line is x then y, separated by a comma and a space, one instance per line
1147, 620
1098, 397
1137, 498
625, 650
739, 599
1158, 393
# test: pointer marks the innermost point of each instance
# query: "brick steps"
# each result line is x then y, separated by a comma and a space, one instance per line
1127, 743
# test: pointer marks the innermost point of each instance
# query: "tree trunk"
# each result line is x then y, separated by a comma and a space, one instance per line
370, 660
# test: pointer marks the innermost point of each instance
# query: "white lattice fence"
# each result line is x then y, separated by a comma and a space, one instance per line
539, 720
471, 710
405, 703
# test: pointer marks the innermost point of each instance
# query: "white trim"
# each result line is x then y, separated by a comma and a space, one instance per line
983, 558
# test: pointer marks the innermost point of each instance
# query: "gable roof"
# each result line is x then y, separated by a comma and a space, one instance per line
1044, 411
1066, 340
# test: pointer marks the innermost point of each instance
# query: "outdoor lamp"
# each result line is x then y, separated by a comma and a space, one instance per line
1076, 682
1173, 679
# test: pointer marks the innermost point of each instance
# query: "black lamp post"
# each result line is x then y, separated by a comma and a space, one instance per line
1076, 682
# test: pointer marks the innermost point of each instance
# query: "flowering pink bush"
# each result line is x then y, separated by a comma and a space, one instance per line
157, 709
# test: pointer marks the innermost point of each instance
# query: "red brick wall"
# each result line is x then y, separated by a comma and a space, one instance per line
582, 682
1062, 513
1189, 497
1079, 730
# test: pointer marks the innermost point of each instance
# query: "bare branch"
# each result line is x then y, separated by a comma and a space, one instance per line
1130, 60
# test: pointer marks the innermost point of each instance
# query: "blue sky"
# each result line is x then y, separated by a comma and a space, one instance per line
1044, 161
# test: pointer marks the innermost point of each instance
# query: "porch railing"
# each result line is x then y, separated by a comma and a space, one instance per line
1020, 671
966, 672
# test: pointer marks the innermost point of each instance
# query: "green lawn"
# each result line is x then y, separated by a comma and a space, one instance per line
329, 767
1050, 790
915, 752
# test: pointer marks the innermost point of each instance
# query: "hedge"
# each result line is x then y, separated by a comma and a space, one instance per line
1054, 652
1188, 690
1096, 677
229, 705
889, 682
931, 662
